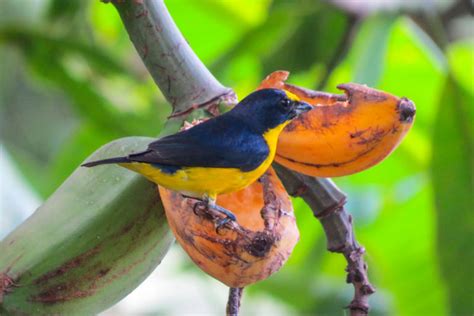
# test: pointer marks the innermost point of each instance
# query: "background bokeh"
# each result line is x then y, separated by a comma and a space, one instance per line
71, 81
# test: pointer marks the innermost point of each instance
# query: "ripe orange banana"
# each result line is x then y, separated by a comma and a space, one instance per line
343, 134
247, 251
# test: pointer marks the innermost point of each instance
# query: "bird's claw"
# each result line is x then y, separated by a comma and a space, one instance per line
201, 209
222, 222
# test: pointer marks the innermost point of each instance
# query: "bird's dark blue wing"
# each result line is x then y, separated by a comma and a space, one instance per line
226, 142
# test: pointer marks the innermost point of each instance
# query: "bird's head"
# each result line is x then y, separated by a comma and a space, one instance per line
268, 108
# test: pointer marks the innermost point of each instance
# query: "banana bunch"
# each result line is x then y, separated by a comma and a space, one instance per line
253, 248
104, 230
90, 244
343, 134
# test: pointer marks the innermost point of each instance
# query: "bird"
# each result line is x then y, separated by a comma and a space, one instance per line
221, 155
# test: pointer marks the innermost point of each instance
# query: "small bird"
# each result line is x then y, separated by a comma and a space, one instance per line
221, 155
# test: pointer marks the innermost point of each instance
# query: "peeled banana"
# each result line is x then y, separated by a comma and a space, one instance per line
343, 134
251, 249
90, 244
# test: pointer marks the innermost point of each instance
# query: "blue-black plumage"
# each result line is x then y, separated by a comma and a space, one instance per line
232, 140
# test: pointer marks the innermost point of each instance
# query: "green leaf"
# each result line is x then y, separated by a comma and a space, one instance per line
461, 60
401, 253
318, 32
453, 183
98, 59
65, 9
371, 46
261, 40
88, 100
226, 26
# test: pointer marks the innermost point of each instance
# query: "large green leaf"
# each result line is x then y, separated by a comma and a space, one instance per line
314, 41
401, 251
371, 46
453, 182
212, 29
97, 57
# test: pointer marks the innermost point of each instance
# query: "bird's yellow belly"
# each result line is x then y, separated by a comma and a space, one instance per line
198, 181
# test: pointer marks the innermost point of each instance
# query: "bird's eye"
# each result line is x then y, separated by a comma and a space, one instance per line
286, 103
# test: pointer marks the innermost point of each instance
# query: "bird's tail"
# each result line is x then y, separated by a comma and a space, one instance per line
106, 161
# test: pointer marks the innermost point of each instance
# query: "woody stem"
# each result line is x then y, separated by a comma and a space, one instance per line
233, 302
327, 203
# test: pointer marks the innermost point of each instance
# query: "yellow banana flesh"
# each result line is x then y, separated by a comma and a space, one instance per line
343, 134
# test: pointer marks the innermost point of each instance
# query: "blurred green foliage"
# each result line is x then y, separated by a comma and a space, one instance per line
71, 82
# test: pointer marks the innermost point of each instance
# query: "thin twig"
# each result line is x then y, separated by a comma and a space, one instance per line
327, 203
233, 302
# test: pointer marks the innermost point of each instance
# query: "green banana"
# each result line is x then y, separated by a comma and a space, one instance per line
90, 244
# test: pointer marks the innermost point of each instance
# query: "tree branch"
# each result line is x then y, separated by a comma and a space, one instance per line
327, 203
183, 79
233, 302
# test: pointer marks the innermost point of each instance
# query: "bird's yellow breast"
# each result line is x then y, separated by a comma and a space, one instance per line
199, 181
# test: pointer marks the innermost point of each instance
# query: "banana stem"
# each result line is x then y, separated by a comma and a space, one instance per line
327, 203
233, 302
181, 76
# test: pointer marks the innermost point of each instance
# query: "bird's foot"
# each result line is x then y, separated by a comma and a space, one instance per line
222, 222
203, 208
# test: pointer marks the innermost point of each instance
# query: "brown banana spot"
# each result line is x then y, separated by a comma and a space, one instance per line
395, 128
261, 244
302, 122
357, 133
374, 97
61, 292
54, 289
6, 285
376, 135
69, 265
291, 127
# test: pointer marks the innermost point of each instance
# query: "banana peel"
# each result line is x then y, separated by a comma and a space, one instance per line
343, 134
90, 244
247, 251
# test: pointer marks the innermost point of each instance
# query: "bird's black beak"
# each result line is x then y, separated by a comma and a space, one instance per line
300, 107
